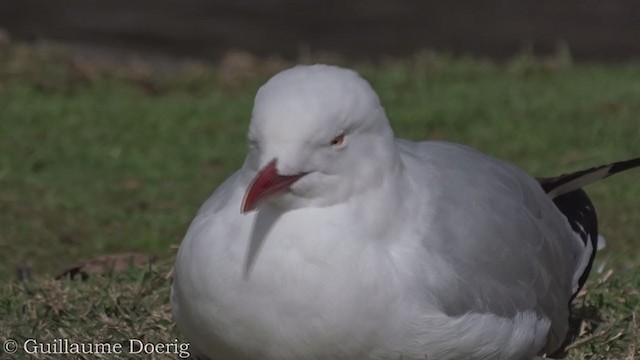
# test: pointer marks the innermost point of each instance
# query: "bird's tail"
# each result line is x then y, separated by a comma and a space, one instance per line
568, 195
563, 184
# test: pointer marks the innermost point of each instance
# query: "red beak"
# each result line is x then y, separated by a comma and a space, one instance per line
266, 183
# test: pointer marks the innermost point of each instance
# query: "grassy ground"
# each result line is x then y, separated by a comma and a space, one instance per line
102, 158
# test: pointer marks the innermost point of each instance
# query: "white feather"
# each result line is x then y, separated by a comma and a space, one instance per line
386, 249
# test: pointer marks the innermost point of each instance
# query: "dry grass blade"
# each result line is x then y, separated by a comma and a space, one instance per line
587, 339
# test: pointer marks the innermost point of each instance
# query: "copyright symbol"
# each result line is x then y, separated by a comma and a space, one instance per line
10, 346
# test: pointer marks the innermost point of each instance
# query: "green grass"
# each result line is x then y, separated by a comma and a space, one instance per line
101, 160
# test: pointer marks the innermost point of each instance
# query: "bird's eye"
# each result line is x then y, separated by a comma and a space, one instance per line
253, 143
338, 140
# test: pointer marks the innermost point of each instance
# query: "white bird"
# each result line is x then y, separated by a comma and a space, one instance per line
364, 246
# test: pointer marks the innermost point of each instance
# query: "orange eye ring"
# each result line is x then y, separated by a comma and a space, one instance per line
338, 140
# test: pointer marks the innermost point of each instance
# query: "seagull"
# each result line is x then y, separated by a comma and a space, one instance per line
336, 240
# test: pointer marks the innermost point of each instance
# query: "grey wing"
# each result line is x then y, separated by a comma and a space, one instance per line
511, 248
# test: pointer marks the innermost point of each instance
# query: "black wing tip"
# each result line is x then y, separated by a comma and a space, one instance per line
577, 207
583, 219
625, 165
552, 183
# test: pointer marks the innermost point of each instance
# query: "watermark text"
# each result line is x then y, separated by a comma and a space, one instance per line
70, 347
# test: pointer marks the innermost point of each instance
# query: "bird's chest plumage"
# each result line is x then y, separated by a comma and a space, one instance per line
303, 293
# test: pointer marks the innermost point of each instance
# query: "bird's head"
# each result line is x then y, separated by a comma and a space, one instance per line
318, 135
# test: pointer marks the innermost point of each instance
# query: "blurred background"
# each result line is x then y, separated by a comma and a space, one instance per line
363, 29
119, 118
